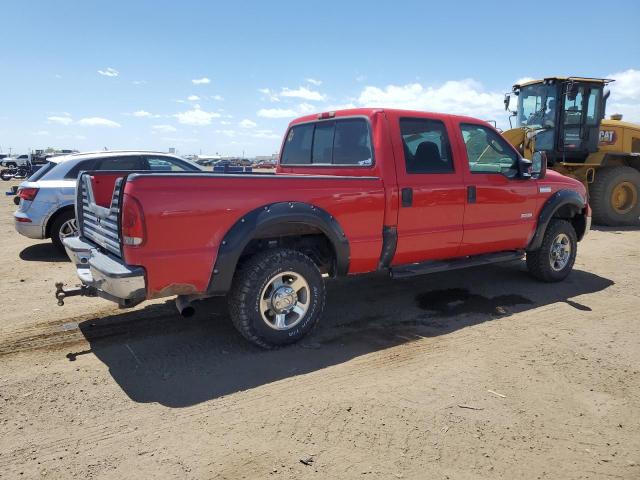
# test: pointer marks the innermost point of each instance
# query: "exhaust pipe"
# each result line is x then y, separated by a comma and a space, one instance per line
184, 306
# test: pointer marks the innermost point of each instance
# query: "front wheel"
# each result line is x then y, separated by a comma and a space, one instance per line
554, 260
7, 174
277, 297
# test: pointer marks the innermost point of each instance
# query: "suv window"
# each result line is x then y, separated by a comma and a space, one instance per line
122, 163
333, 142
84, 165
165, 164
488, 152
426, 146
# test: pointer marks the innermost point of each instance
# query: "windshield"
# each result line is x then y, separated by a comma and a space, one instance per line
537, 106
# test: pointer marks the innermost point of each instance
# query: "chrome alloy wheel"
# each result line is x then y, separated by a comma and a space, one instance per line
284, 301
560, 252
68, 229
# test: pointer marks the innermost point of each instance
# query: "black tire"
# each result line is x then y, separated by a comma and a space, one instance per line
6, 174
11, 164
541, 263
601, 191
56, 226
254, 277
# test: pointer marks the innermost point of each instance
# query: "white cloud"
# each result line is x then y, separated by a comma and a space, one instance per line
218, 98
313, 81
269, 94
361, 78
523, 80
141, 114
224, 122
246, 123
196, 117
42, 133
465, 97
200, 81
277, 113
265, 134
299, 110
66, 120
98, 122
57, 75
228, 133
109, 72
625, 95
193, 98
303, 93
164, 128
139, 82
179, 140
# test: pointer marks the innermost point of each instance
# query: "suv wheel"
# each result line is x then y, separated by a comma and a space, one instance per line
277, 297
63, 226
553, 261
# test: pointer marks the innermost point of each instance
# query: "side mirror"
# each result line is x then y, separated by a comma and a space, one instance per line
507, 101
524, 168
539, 165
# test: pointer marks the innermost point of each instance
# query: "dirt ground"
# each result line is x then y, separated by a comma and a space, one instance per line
477, 374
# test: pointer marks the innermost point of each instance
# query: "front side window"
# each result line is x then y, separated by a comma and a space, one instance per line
333, 142
488, 152
426, 146
121, 163
165, 164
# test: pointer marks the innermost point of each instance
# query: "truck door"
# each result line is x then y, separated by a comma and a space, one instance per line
432, 193
500, 205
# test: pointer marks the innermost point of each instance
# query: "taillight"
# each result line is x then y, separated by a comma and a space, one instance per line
28, 193
132, 222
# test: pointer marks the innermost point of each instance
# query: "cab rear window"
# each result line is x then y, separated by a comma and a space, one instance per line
333, 142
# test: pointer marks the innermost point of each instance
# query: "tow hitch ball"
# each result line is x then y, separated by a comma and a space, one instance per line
82, 291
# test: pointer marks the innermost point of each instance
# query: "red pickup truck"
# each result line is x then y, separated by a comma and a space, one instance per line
355, 191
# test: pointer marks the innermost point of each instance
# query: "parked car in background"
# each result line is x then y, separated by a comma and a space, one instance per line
47, 198
19, 161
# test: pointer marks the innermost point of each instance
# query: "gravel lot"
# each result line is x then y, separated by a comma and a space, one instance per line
477, 374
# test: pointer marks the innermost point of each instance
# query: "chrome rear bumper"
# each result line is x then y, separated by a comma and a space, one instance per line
110, 276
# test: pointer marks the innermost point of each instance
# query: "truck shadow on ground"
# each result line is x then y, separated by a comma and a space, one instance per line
157, 356
43, 252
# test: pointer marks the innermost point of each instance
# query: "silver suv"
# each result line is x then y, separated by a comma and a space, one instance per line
47, 198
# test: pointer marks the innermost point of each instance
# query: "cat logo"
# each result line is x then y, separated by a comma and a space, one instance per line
607, 137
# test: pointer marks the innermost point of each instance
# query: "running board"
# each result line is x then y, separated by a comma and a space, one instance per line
405, 271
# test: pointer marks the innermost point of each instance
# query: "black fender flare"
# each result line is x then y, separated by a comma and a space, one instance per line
552, 205
260, 220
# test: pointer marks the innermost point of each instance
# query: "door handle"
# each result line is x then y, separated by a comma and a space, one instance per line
471, 194
407, 197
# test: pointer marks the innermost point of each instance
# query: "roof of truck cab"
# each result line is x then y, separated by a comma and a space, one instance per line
394, 112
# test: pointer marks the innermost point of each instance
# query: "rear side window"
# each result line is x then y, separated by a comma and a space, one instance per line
426, 146
82, 166
333, 142
42, 171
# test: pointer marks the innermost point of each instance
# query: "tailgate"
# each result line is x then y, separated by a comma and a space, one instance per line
98, 208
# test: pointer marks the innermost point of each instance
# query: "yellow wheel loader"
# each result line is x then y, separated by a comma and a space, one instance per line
565, 118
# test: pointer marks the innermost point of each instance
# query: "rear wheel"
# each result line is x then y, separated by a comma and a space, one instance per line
277, 297
553, 261
63, 226
614, 196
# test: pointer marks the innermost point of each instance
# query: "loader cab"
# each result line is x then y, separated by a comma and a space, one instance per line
563, 114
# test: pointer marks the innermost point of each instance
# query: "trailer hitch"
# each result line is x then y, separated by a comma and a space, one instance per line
83, 291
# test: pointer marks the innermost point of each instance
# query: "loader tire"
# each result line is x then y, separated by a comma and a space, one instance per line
614, 196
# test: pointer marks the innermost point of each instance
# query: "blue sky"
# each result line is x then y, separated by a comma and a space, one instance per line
227, 77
